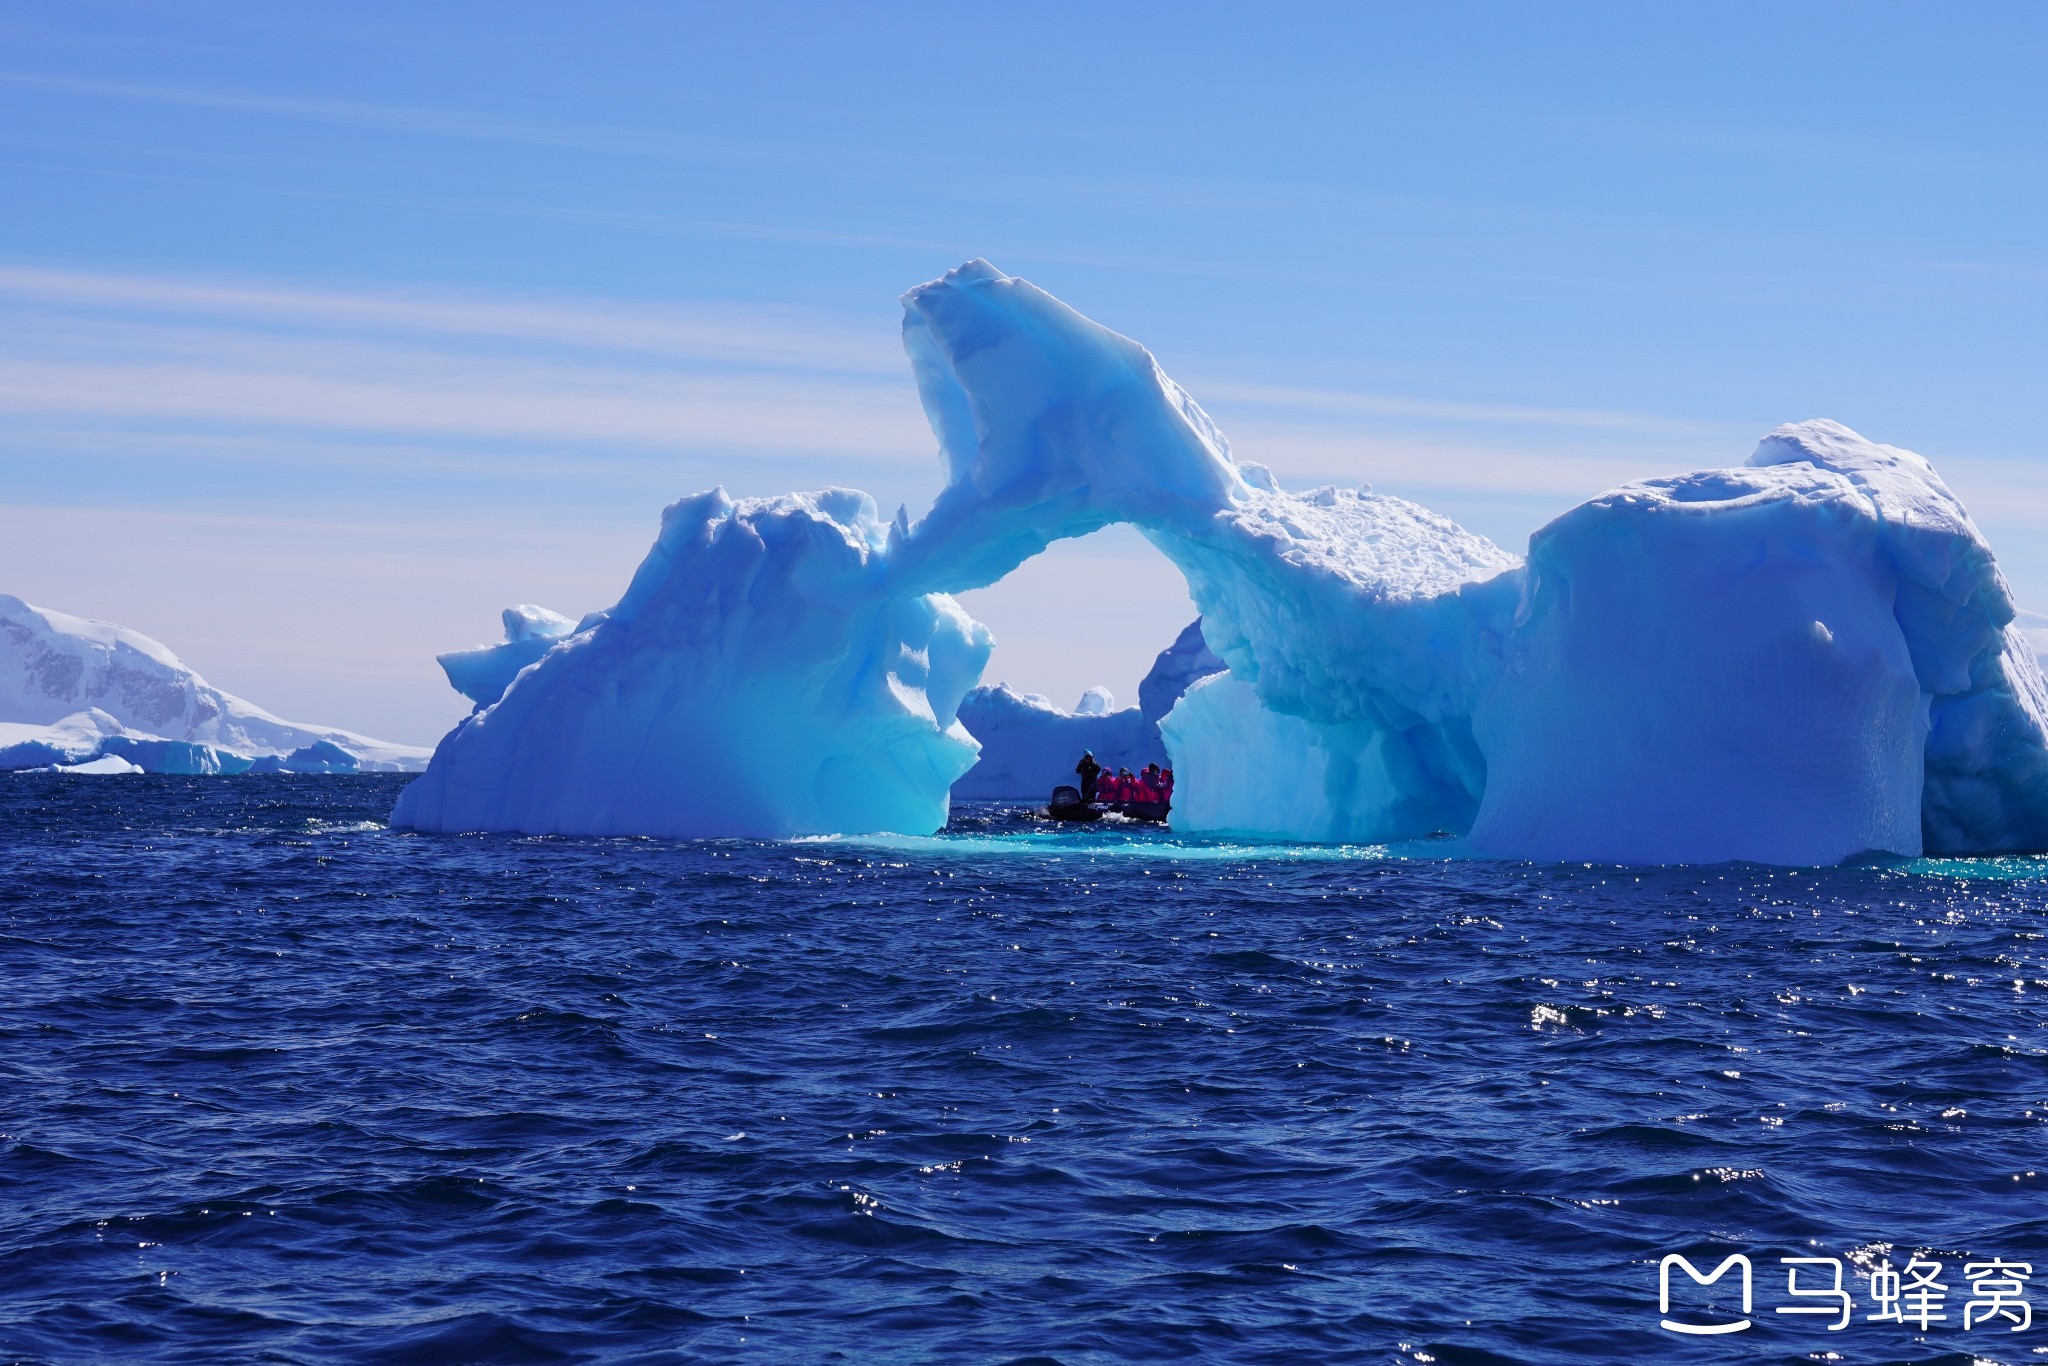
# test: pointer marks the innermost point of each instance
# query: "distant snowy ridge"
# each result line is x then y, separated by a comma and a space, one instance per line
73, 691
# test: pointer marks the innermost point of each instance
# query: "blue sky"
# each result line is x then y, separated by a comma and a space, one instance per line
327, 331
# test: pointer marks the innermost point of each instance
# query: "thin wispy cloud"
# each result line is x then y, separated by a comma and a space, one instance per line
415, 120
1342, 403
762, 335
106, 348
513, 401
949, 251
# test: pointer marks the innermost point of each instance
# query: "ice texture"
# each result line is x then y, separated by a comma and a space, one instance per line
1987, 747
482, 674
2034, 627
72, 690
1800, 660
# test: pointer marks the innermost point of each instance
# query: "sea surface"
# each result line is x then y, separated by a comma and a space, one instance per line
280, 1084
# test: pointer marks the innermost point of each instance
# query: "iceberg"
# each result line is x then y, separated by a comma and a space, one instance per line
1798, 661
482, 674
73, 691
1807, 658
106, 766
762, 675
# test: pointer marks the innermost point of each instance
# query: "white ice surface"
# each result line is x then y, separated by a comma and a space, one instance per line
106, 766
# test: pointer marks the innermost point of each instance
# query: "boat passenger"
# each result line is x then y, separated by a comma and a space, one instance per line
1090, 772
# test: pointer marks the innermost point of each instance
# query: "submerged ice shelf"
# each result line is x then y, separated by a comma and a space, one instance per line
1803, 659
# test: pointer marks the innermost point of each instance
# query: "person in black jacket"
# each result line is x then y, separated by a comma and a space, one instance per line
1089, 771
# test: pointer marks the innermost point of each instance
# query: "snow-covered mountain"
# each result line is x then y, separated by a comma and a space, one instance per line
73, 690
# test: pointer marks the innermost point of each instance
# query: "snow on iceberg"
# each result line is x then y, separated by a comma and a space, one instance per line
1798, 661
73, 690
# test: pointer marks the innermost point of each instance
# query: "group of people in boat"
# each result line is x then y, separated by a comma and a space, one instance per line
1152, 785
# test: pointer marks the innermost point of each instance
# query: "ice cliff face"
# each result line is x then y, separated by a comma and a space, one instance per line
1800, 660
72, 690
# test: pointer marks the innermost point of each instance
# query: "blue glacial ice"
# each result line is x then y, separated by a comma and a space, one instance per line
1800, 660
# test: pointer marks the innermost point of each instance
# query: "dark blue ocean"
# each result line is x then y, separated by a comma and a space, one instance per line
278, 1084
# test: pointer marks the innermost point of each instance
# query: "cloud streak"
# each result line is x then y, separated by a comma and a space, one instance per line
783, 338
414, 120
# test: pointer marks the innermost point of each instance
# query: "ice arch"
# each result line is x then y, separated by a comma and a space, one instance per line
793, 665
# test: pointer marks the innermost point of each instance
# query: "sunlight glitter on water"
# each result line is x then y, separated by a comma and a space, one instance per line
1056, 844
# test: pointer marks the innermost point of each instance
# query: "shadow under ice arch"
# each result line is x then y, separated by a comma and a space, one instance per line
1797, 661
